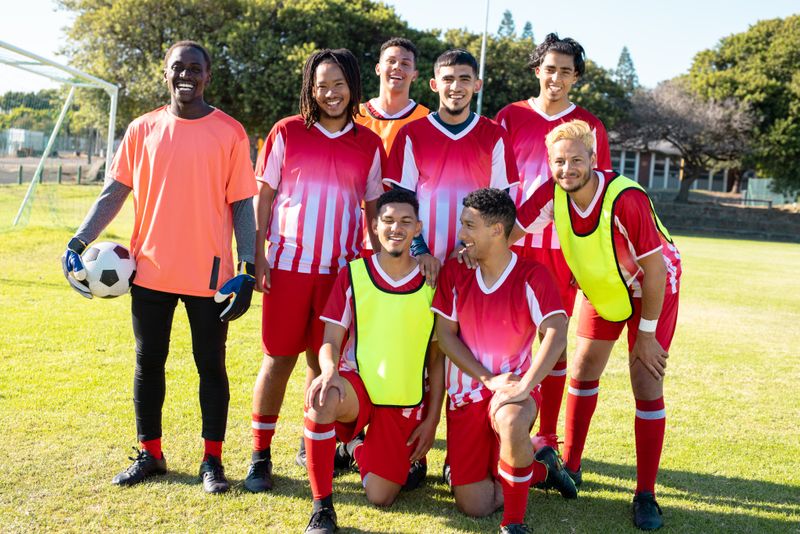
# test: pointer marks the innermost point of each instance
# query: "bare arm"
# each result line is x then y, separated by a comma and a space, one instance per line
263, 212
370, 212
329, 365
425, 433
647, 350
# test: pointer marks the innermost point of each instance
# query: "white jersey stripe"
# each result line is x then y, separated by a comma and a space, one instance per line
319, 436
583, 392
651, 415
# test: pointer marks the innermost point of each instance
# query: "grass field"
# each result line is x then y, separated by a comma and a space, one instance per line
731, 461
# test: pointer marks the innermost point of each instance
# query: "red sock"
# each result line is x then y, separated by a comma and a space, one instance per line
212, 448
153, 446
515, 482
539, 473
651, 419
552, 394
357, 453
581, 402
263, 430
320, 439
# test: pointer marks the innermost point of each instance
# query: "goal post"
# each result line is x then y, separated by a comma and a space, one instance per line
71, 77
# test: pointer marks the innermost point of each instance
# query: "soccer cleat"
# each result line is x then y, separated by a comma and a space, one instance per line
259, 475
646, 511
576, 476
515, 528
416, 476
144, 466
344, 458
557, 477
323, 521
446, 475
212, 474
300, 457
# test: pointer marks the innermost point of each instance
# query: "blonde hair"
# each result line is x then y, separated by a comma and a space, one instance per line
576, 130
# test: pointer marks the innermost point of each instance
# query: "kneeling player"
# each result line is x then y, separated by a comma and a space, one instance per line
488, 321
385, 306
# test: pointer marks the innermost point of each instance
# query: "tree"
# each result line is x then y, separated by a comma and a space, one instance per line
258, 48
507, 28
708, 134
625, 73
597, 91
758, 67
527, 31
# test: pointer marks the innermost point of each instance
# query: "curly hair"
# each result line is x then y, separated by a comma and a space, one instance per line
398, 196
401, 42
346, 61
566, 46
494, 205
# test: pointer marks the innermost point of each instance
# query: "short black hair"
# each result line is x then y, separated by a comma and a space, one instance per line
402, 42
398, 196
456, 56
494, 205
346, 61
566, 46
190, 44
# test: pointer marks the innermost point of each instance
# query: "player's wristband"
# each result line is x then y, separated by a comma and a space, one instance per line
648, 325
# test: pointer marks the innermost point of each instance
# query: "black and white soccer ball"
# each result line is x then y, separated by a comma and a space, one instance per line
110, 269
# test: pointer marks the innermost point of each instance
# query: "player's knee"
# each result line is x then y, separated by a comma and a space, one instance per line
381, 498
514, 419
475, 507
644, 384
323, 411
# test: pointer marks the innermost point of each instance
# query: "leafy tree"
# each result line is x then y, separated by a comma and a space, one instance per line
507, 27
625, 73
758, 67
527, 31
708, 134
597, 91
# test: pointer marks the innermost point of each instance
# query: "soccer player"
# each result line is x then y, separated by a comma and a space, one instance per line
629, 270
487, 323
393, 108
313, 173
188, 165
383, 304
558, 64
447, 154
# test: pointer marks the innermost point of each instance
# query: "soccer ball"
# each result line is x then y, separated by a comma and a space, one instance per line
109, 269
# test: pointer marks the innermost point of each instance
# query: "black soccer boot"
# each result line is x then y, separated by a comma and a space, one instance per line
212, 474
259, 475
144, 466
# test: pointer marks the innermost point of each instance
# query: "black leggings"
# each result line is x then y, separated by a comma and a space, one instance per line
152, 322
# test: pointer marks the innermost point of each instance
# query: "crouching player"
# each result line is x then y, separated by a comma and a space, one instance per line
488, 321
384, 304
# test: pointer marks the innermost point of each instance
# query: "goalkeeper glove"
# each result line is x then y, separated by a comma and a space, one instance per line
240, 290
73, 268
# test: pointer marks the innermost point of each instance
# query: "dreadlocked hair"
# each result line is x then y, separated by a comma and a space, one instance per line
346, 61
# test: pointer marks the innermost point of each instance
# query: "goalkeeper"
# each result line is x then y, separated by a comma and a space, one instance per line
188, 165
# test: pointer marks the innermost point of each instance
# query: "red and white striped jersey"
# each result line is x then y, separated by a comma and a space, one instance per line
320, 179
527, 128
635, 232
442, 168
498, 324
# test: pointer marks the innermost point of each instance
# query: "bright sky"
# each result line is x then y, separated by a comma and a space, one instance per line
661, 36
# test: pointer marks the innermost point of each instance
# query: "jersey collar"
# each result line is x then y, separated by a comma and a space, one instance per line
547, 117
387, 116
499, 282
388, 279
597, 196
334, 135
459, 135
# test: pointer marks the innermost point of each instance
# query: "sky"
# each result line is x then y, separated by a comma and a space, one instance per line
662, 36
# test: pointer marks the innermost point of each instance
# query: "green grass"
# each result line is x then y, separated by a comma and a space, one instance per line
731, 458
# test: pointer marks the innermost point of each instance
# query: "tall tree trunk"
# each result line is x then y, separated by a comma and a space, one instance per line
686, 183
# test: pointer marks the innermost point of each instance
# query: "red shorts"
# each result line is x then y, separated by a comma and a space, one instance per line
554, 260
473, 446
592, 326
385, 452
290, 322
